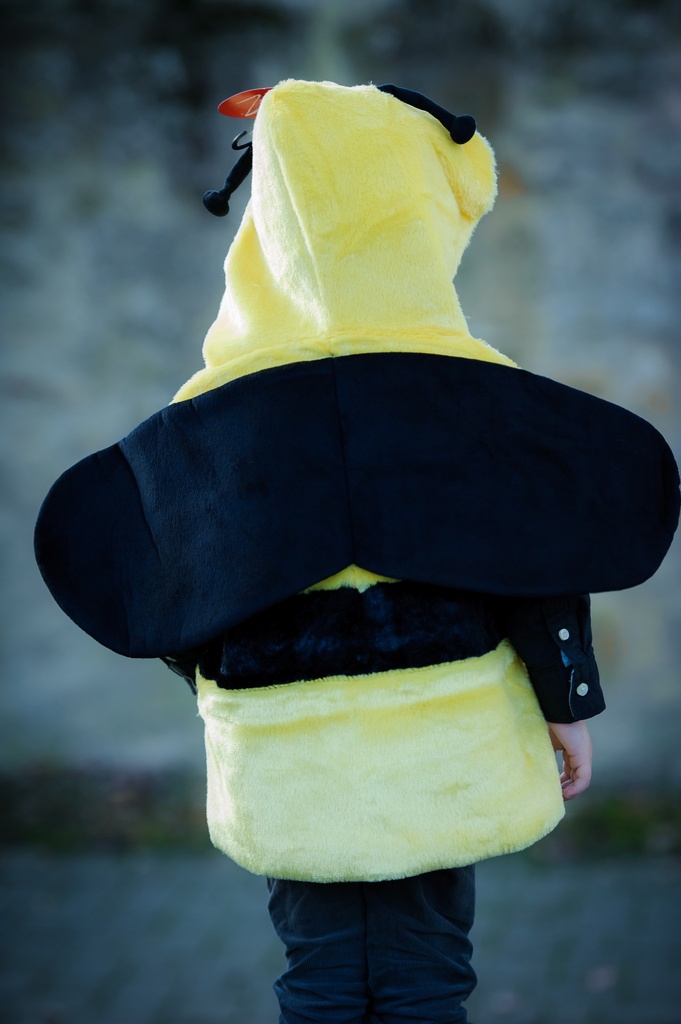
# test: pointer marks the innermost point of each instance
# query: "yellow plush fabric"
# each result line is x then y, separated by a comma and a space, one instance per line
361, 207
380, 776
352, 576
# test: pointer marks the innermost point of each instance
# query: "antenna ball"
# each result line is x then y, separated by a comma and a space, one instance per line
463, 128
216, 202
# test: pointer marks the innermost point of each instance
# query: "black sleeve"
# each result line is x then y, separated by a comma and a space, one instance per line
553, 637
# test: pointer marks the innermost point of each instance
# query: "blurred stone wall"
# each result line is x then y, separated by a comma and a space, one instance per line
111, 272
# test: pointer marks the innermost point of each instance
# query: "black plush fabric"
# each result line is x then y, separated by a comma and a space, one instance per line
406, 625
426, 468
345, 632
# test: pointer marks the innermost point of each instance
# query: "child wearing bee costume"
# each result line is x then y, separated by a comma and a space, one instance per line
365, 536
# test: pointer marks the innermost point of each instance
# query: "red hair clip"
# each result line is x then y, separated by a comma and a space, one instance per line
243, 104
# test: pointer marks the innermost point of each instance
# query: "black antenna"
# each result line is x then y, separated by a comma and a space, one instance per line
216, 201
461, 127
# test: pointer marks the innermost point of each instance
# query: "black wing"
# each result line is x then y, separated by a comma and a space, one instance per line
435, 469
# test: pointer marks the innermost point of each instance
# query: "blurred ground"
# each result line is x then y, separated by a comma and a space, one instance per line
185, 939
117, 910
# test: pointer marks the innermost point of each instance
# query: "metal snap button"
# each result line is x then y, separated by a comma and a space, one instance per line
564, 634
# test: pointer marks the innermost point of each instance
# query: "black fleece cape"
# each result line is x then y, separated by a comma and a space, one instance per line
415, 466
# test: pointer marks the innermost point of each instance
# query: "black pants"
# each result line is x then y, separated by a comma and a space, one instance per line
375, 952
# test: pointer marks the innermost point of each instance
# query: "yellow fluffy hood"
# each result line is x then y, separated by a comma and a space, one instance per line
360, 210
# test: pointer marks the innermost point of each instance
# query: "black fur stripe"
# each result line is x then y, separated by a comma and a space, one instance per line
345, 632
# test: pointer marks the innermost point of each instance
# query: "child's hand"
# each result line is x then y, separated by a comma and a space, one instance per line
574, 740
